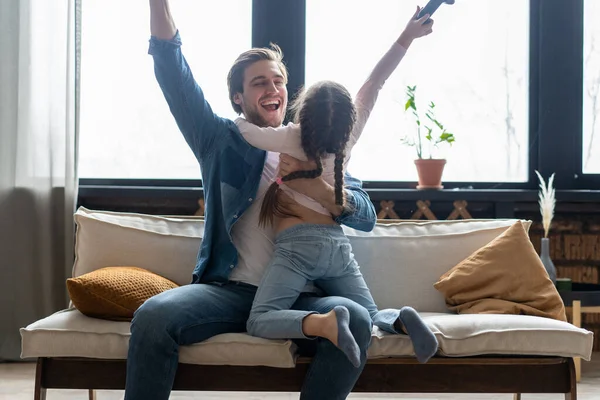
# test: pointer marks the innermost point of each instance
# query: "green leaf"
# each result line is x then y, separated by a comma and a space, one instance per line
428, 136
408, 104
407, 141
447, 137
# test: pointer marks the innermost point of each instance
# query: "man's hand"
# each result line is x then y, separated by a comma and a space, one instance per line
316, 188
415, 28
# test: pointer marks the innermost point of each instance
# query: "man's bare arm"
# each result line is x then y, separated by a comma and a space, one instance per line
162, 25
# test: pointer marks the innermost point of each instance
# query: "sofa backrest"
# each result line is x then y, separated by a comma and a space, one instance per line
400, 261
167, 246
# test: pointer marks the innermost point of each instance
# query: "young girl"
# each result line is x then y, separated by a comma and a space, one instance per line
310, 245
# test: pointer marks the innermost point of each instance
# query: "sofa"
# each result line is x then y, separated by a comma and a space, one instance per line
401, 261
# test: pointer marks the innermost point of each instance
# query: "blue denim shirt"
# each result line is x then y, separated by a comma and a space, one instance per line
231, 169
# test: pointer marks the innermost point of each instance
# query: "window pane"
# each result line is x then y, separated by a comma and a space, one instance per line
127, 130
475, 67
591, 89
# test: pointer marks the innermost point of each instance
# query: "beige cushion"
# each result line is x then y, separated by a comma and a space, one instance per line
402, 261
69, 333
115, 293
506, 276
487, 334
167, 246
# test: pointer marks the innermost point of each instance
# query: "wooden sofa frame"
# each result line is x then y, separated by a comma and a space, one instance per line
485, 374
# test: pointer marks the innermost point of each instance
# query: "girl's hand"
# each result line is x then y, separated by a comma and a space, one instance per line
415, 28
289, 164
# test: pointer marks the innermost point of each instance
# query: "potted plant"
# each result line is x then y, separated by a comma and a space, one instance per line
431, 132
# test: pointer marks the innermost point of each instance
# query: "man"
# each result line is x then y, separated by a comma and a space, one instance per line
234, 250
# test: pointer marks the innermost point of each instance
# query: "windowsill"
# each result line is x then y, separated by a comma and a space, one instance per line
492, 195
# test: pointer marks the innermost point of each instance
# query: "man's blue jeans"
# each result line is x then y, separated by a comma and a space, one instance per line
309, 253
194, 313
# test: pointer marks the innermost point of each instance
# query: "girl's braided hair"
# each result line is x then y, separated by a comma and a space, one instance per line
326, 115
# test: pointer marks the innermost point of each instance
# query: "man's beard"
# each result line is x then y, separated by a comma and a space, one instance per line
252, 115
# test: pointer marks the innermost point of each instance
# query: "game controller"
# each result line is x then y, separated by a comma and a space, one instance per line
431, 7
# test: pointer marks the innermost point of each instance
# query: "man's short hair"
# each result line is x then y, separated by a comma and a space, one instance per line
235, 78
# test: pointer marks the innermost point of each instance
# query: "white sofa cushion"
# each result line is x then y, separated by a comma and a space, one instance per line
69, 333
167, 246
402, 261
489, 334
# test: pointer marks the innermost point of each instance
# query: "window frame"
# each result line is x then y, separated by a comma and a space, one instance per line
556, 72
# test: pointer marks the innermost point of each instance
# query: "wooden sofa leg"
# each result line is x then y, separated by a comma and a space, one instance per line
572, 395
517, 396
39, 391
92, 394
40, 394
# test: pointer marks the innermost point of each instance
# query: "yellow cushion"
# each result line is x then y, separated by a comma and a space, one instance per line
504, 277
115, 292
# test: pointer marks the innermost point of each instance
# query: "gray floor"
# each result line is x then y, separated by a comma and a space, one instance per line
17, 380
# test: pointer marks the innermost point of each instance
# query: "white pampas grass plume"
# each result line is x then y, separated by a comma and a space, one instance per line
546, 202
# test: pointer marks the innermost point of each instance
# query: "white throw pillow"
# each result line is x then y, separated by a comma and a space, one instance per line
167, 246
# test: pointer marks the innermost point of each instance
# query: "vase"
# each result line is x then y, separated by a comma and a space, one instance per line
546, 260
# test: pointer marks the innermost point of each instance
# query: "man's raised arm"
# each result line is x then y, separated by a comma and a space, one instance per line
162, 25
194, 116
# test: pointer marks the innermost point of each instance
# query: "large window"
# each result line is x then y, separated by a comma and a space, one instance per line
511, 80
591, 88
475, 67
126, 128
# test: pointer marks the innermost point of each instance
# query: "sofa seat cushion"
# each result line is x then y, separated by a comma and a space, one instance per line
69, 333
492, 334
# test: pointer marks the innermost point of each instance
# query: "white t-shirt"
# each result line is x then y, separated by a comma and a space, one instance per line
254, 243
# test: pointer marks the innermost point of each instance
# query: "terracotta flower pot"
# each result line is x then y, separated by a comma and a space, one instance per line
430, 172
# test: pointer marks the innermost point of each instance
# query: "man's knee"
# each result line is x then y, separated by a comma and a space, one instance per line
361, 324
152, 316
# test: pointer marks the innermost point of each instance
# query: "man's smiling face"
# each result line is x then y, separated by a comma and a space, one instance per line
264, 100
